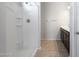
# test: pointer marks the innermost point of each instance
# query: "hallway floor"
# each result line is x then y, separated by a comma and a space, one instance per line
52, 48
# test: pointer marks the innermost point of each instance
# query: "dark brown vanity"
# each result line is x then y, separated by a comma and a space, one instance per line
65, 37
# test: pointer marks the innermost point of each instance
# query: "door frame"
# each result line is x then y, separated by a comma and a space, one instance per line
73, 38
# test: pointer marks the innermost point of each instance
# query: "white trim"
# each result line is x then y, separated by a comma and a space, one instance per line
35, 51
73, 45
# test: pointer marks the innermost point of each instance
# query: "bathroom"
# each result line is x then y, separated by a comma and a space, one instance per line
35, 29
55, 29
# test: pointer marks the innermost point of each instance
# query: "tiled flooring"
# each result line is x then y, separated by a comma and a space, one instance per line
52, 48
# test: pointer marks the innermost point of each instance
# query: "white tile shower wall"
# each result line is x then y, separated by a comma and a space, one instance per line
8, 32
31, 30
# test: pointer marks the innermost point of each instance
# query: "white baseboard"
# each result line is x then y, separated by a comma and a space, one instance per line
51, 39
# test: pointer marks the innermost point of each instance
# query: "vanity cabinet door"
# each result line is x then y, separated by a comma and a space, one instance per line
65, 37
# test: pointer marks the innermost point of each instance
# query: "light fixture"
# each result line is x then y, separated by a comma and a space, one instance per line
68, 7
26, 2
30, 3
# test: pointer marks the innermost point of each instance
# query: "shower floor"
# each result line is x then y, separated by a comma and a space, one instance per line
52, 48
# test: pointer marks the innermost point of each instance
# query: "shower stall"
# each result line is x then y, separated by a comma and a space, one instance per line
19, 33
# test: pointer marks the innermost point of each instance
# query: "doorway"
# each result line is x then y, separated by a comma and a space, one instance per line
55, 30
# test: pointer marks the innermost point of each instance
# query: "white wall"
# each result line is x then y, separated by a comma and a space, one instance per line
8, 24
54, 16
43, 20
2, 31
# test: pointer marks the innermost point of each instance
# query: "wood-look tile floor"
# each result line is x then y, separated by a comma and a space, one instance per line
52, 48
